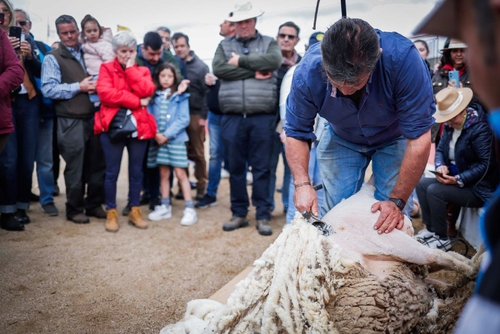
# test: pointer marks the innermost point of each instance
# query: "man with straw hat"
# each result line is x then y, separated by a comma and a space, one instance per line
248, 99
477, 23
466, 176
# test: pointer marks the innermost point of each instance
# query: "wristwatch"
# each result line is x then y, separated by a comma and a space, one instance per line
399, 203
460, 183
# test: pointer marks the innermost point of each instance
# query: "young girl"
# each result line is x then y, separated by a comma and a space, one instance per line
96, 44
168, 148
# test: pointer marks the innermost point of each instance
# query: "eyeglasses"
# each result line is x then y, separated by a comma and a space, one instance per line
22, 23
290, 37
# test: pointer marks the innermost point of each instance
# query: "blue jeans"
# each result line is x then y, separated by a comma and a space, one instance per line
44, 161
18, 157
314, 176
113, 152
343, 165
216, 153
248, 140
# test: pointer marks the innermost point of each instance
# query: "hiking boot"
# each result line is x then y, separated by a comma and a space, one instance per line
79, 218
22, 217
235, 223
9, 222
112, 221
206, 202
135, 218
97, 212
50, 209
161, 212
264, 227
190, 217
126, 210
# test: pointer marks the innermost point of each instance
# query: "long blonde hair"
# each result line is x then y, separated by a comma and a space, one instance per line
12, 13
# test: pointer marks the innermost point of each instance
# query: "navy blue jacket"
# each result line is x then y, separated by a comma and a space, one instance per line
474, 153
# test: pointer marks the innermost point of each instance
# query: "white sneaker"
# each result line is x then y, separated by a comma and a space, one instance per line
161, 212
444, 244
190, 217
424, 234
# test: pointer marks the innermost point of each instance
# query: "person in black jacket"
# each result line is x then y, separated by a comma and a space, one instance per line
466, 169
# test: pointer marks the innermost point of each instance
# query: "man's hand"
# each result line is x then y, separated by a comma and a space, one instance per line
202, 122
160, 138
306, 199
87, 86
210, 79
183, 86
262, 75
390, 217
145, 101
446, 179
26, 49
131, 60
235, 58
443, 170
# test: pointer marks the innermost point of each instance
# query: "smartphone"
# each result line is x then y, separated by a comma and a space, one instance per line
16, 32
454, 78
2, 18
436, 173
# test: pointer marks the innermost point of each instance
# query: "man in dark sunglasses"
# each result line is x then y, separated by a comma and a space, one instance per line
23, 21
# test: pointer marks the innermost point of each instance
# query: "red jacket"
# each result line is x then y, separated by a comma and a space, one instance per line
119, 88
11, 76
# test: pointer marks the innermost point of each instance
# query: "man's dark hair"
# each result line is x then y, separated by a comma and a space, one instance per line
153, 40
291, 25
165, 29
423, 42
178, 35
65, 19
349, 50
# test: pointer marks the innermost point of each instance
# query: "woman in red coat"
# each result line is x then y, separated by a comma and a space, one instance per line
122, 84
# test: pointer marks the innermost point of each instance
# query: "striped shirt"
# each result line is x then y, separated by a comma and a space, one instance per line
52, 87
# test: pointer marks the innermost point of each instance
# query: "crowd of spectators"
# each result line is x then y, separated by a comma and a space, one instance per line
77, 97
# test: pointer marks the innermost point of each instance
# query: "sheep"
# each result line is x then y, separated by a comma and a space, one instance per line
353, 281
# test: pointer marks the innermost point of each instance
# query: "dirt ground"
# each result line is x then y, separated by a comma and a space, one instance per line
59, 277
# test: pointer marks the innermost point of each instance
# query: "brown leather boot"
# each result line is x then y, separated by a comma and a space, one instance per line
135, 218
112, 220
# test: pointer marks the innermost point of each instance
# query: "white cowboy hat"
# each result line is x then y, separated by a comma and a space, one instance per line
244, 12
450, 102
455, 44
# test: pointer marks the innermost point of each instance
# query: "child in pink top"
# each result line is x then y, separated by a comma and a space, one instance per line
96, 44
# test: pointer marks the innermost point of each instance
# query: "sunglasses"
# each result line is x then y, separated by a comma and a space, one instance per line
22, 23
290, 37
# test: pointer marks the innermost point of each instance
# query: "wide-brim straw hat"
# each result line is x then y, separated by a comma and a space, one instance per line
244, 12
455, 44
450, 102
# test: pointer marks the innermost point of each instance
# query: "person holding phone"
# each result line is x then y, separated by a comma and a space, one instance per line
17, 159
466, 168
452, 60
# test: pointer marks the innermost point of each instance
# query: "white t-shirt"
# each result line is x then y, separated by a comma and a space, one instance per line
454, 137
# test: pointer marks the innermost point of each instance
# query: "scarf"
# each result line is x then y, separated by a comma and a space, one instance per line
291, 62
460, 72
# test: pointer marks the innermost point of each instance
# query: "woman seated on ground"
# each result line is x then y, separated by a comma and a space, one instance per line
466, 169
124, 85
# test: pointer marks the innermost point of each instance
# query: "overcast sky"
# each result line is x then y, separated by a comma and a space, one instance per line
199, 19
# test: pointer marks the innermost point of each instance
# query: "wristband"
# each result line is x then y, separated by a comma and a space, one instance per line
399, 203
307, 183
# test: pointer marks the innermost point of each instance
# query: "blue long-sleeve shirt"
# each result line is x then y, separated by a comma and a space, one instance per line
52, 87
397, 100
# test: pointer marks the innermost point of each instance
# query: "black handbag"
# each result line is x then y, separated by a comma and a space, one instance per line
121, 126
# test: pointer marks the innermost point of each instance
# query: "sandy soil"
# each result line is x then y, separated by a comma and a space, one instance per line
59, 277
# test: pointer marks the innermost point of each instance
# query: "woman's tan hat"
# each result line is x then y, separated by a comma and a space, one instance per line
455, 44
450, 102
244, 12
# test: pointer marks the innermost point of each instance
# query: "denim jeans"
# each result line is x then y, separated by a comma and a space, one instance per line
113, 152
216, 153
44, 162
18, 157
314, 176
343, 165
247, 140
